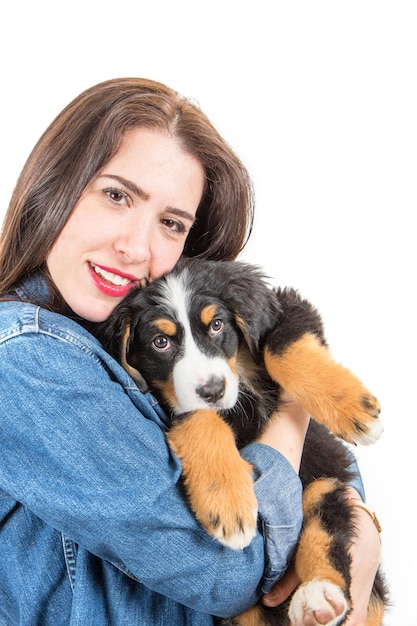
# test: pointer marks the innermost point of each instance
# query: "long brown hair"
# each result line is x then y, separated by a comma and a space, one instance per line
79, 143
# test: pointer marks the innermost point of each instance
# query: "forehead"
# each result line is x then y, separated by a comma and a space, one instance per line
174, 303
170, 325
149, 156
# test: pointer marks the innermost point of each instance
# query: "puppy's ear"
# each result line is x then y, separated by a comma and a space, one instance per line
254, 304
132, 371
116, 336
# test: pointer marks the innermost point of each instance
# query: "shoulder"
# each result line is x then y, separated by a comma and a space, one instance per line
24, 318
54, 343
29, 314
34, 337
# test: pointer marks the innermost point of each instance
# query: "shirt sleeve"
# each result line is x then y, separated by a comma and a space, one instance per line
94, 464
281, 529
356, 480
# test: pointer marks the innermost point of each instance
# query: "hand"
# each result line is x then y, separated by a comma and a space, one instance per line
282, 588
366, 556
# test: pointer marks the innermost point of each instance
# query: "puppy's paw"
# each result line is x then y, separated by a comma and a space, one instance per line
331, 393
367, 422
223, 501
350, 410
218, 481
318, 603
233, 521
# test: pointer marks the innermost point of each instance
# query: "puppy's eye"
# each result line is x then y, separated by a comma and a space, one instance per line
216, 327
161, 343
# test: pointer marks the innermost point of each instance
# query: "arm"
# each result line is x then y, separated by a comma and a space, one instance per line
286, 430
284, 433
366, 557
86, 454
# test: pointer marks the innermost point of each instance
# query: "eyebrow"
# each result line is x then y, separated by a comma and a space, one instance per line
129, 185
140, 193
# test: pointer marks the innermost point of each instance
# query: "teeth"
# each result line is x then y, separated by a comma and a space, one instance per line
115, 279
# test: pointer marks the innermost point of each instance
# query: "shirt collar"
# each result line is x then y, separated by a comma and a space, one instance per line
33, 287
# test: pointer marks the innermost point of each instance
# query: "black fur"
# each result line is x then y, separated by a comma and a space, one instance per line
256, 318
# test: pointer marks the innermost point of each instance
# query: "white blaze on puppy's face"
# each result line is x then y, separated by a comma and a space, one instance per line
195, 371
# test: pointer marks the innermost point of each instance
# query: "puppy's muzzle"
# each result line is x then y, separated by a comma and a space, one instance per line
213, 390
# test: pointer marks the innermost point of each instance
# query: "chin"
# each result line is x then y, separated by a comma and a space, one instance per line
95, 311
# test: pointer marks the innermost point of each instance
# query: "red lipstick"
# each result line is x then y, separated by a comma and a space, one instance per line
108, 284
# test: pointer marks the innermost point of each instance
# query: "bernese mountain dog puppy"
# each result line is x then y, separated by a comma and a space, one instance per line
216, 344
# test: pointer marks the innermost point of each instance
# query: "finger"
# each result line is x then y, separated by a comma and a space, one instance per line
281, 589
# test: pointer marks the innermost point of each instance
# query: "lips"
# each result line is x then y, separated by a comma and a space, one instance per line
110, 282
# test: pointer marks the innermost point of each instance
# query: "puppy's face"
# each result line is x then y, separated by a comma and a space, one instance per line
185, 345
189, 333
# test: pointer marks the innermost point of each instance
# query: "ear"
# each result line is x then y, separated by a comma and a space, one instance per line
254, 304
116, 335
132, 371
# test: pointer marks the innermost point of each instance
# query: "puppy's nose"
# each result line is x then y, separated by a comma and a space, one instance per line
212, 390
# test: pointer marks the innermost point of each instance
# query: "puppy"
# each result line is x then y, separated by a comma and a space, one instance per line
216, 345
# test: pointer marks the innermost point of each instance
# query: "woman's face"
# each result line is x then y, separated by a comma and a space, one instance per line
130, 224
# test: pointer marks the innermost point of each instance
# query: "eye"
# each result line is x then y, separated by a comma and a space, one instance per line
216, 327
174, 225
117, 196
161, 343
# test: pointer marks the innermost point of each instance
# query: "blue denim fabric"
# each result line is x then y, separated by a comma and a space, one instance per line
94, 528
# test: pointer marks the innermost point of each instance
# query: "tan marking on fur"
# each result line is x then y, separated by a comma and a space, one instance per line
328, 391
376, 612
167, 390
247, 368
233, 365
242, 325
207, 314
166, 326
133, 373
126, 336
218, 481
313, 493
311, 561
251, 617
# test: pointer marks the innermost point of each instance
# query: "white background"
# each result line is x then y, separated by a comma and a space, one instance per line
319, 100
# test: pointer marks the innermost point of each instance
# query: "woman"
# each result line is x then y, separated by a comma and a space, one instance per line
94, 529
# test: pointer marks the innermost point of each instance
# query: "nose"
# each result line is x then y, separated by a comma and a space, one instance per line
212, 390
134, 244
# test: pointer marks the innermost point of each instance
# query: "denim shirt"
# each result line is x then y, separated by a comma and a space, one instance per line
94, 527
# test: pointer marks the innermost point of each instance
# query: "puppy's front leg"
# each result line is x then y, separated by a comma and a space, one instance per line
217, 480
331, 393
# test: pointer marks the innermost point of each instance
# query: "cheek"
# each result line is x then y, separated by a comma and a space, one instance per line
60, 257
165, 261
